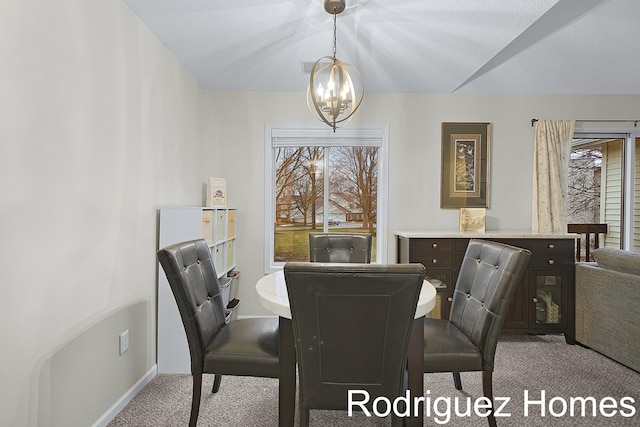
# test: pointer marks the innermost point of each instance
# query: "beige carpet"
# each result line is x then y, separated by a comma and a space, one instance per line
523, 362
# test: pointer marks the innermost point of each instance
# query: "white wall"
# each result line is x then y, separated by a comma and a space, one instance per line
99, 126
414, 147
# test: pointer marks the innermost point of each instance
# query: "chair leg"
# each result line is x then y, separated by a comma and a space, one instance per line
304, 412
304, 417
487, 388
397, 421
195, 400
457, 382
216, 383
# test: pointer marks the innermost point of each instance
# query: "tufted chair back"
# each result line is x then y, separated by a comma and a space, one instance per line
340, 247
194, 282
488, 278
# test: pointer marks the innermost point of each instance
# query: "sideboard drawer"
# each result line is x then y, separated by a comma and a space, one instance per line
551, 254
433, 252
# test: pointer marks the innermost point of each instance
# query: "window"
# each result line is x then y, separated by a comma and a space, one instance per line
604, 186
318, 180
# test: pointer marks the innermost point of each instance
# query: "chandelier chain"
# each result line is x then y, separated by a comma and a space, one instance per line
335, 14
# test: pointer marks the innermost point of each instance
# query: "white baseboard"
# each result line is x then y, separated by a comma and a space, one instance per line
257, 317
126, 398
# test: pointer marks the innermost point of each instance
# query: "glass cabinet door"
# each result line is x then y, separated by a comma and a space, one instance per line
548, 298
440, 279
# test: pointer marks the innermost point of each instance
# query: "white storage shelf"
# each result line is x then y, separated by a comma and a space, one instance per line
218, 227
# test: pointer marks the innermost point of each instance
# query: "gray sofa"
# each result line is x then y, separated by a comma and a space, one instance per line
608, 305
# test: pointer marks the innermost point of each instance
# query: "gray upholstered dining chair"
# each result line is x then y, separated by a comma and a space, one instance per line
351, 324
488, 278
246, 347
340, 247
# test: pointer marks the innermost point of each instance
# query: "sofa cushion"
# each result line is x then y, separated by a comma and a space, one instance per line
618, 260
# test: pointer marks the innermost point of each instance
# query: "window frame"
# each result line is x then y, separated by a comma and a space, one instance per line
300, 135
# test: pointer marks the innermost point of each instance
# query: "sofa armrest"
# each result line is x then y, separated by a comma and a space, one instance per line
608, 312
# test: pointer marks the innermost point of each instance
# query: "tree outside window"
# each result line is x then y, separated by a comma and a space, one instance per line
585, 171
322, 189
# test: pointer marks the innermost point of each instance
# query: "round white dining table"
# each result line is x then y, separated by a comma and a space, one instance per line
271, 293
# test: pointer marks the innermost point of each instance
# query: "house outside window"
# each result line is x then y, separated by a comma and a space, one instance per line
320, 181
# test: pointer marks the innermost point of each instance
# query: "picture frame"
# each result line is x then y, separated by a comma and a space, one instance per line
465, 169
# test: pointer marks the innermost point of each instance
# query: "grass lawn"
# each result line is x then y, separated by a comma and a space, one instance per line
293, 245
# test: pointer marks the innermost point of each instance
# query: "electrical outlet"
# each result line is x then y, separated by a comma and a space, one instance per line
124, 341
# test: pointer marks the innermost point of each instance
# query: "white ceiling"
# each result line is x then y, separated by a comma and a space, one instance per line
421, 46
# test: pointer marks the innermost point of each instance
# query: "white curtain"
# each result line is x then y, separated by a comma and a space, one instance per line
550, 163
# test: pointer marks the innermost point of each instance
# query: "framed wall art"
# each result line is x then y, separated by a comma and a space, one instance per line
465, 165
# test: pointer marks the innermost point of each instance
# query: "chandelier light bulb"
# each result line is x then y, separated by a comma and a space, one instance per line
345, 94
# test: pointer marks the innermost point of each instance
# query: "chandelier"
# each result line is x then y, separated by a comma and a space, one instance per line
331, 93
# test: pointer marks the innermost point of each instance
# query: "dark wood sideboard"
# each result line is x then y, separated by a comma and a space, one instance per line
544, 302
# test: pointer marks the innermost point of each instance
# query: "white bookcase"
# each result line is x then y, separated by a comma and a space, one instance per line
218, 227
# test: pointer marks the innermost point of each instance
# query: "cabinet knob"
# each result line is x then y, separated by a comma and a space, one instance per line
450, 299
434, 261
551, 246
435, 245
535, 300
552, 261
